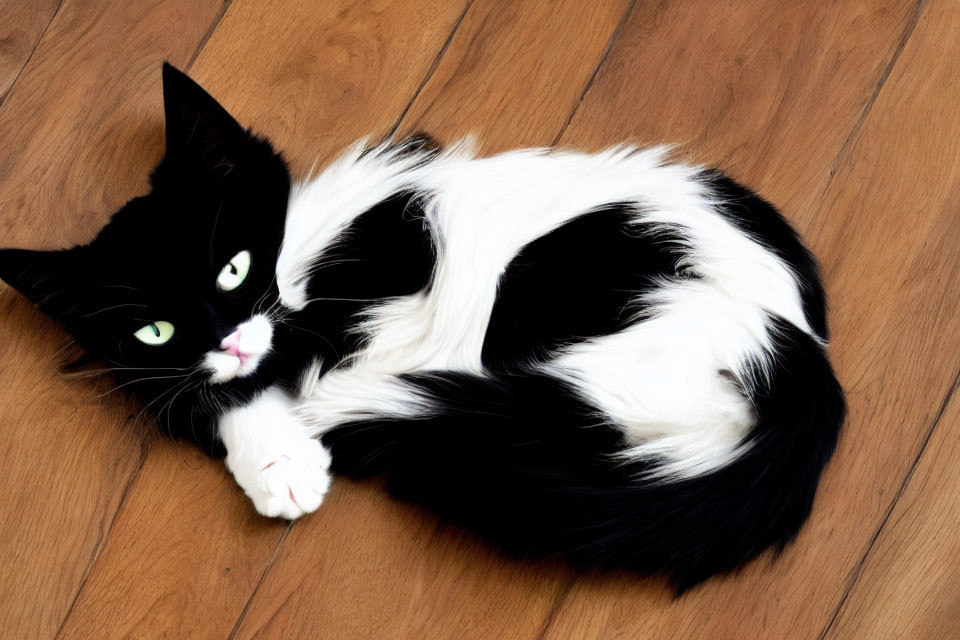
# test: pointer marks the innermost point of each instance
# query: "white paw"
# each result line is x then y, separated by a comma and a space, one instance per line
273, 458
290, 484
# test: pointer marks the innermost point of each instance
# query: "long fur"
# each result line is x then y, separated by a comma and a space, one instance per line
608, 356
614, 359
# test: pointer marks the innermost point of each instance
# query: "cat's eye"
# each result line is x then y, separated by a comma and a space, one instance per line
155, 333
235, 272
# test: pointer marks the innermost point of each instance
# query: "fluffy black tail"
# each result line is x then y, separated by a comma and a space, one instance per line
528, 464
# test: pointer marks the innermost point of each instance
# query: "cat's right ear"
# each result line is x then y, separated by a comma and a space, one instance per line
47, 278
197, 125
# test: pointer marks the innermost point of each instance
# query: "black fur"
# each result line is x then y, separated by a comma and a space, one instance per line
385, 252
551, 293
761, 221
218, 190
516, 454
542, 479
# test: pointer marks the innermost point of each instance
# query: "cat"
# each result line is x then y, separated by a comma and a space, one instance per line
607, 356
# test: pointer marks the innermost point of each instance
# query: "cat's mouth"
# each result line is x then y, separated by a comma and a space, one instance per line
240, 352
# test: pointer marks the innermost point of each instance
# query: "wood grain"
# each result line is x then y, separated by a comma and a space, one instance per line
366, 566
69, 156
883, 230
844, 114
22, 24
187, 550
515, 72
171, 567
910, 585
336, 71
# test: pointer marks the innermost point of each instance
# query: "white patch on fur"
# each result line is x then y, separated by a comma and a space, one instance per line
256, 336
309, 379
272, 457
355, 394
320, 208
661, 379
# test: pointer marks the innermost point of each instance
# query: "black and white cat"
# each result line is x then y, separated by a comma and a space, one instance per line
605, 356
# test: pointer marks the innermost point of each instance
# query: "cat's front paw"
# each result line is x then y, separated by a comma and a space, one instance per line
290, 484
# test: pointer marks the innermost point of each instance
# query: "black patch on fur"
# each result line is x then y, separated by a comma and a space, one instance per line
579, 281
218, 190
761, 221
528, 464
384, 253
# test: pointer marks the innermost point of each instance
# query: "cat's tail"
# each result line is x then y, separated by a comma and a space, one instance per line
531, 466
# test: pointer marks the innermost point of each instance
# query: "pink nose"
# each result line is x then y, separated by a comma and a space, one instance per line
231, 344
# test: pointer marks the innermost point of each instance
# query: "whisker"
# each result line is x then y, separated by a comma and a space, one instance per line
333, 263
120, 386
117, 286
263, 297
297, 327
343, 300
180, 385
168, 406
92, 373
116, 306
123, 366
213, 233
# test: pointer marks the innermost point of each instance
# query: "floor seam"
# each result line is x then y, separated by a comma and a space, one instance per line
841, 156
857, 572
433, 68
557, 605
144, 449
102, 541
217, 19
263, 576
6, 94
593, 76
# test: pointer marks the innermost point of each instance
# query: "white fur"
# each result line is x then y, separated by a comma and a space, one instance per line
256, 336
274, 460
320, 209
345, 395
660, 380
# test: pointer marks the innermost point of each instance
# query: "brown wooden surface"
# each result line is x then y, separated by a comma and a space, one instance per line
844, 114
79, 131
22, 24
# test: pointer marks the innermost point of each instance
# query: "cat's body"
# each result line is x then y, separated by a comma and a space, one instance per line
601, 355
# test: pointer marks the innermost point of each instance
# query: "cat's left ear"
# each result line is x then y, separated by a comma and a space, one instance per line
197, 125
48, 278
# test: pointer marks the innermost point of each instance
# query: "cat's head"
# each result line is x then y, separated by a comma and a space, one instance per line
177, 289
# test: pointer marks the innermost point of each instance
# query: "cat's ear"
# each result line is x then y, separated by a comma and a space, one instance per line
48, 278
197, 125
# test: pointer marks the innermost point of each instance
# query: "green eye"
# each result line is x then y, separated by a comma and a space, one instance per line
235, 272
155, 333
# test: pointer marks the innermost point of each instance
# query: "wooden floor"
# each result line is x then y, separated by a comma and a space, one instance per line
846, 114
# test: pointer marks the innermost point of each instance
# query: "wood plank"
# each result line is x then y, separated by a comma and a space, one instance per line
69, 455
515, 72
337, 71
171, 567
910, 585
364, 565
21, 26
886, 231
187, 550
764, 89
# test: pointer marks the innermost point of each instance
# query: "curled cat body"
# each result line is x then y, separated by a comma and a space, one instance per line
605, 356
